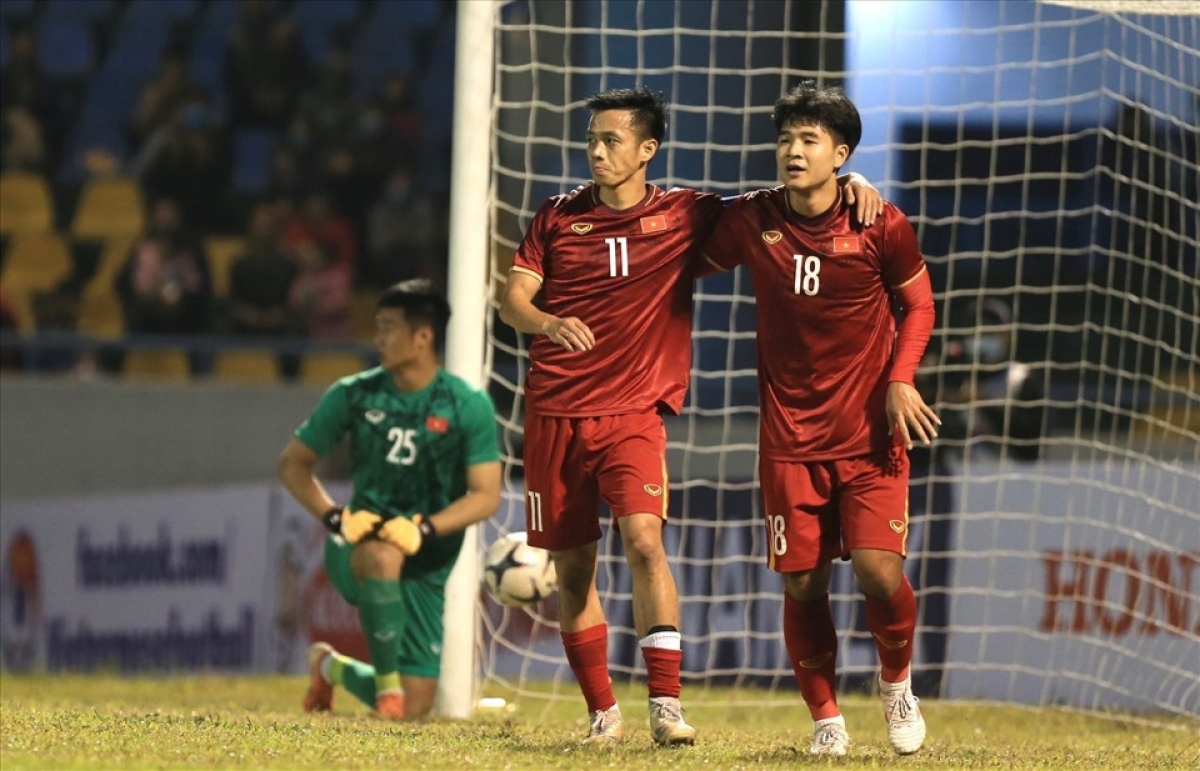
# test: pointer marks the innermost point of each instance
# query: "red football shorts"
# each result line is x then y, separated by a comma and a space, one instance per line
571, 464
817, 512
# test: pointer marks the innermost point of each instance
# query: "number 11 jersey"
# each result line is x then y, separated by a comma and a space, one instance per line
628, 276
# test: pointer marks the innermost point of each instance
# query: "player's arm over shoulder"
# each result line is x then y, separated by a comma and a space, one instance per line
724, 249
900, 256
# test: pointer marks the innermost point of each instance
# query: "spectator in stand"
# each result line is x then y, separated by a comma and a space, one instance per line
260, 282
288, 179
354, 185
321, 294
162, 97
333, 233
990, 404
24, 85
21, 145
165, 286
265, 67
187, 160
328, 108
401, 136
402, 234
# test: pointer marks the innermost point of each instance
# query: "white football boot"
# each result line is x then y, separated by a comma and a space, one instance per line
906, 727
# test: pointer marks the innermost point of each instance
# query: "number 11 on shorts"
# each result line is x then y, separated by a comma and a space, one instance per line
533, 505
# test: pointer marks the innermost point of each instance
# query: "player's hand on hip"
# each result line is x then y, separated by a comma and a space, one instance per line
353, 526
570, 333
403, 533
909, 415
866, 200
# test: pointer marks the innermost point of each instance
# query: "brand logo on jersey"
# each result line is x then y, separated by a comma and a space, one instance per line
655, 490
437, 424
846, 245
655, 224
582, 227
375, 416
898, 525
772, 236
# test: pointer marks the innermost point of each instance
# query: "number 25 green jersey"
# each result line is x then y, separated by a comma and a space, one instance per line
409, 452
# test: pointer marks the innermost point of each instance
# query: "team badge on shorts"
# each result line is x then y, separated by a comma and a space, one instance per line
655, 490
898, 525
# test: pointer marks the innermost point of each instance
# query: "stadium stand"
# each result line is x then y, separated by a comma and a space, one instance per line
317, 367
73, 220
25, 203
247, 366
109, 207
157, 364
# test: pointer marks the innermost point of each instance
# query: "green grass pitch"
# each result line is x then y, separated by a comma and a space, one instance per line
250, 723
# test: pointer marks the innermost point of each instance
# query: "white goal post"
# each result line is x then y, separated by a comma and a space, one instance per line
1048, 155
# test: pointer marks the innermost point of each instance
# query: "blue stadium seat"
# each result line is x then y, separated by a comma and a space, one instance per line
167, 10
252, 154
87, 10
137, 46
16, 9
207, 56
66, 46
435, 91
317, 21
111, 96
324, 12
418, 14
384, 48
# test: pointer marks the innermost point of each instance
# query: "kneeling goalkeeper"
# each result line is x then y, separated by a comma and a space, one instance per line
424, 465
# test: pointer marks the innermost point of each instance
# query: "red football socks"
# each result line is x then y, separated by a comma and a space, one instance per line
893, 623
587, 653
812, 646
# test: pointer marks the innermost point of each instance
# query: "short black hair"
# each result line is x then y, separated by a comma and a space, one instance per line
828, 108
423, 305
649, 108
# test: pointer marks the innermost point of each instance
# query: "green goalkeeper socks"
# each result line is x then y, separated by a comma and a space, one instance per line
383, 619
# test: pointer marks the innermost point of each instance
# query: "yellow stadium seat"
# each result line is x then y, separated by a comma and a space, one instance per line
324, 367
247, 366
109, 207
114, 255
100, 313
157, 364
35, 262
25, 203
222, 251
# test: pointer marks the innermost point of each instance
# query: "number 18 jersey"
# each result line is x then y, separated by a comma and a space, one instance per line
826, 332
628, 276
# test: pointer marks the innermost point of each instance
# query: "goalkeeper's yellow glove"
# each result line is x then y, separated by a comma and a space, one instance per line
353, 526
408, 535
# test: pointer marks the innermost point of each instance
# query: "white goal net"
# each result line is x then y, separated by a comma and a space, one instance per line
1048, 156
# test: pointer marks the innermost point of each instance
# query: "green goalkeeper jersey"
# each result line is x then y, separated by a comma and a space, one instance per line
409, 452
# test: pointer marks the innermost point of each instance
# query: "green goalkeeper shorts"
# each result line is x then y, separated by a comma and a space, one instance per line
420, 650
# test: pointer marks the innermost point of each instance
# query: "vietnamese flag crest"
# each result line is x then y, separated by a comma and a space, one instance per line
437, 424
655, 224
846, 245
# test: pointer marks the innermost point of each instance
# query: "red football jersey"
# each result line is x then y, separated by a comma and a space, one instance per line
826, 332
627, 275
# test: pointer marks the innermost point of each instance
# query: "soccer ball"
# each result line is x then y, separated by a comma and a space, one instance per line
516, 574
